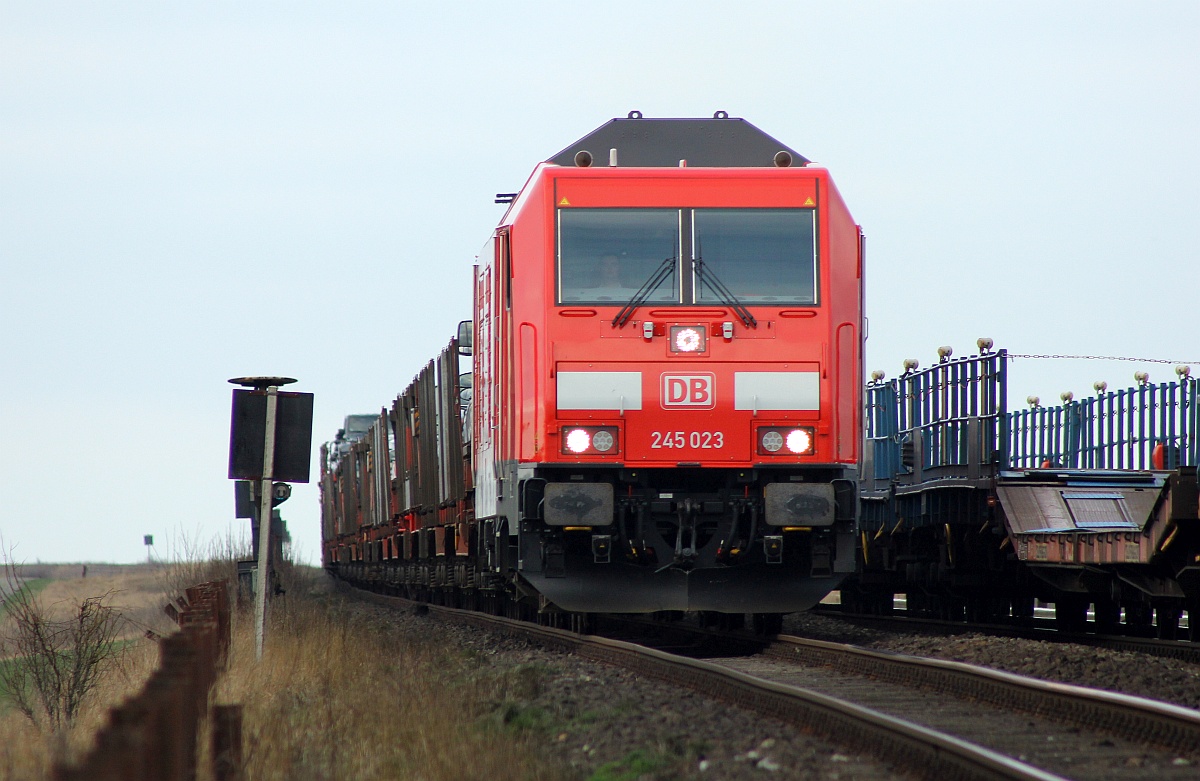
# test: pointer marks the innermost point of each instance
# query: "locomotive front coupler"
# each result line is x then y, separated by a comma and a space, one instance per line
636, 549
685, 555
733, 545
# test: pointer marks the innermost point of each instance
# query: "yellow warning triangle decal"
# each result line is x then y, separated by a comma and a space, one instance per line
564, 202
809, 202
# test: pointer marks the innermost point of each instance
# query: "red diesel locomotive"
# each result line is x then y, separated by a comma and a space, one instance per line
665, 393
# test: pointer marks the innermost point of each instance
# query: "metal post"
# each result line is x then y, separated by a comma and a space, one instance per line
264, 525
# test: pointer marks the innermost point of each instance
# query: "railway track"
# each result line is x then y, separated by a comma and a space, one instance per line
928, 718
1072, 731
1043, 630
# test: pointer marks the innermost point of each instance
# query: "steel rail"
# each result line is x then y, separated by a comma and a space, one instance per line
1138, 719
925, 752
1183, 650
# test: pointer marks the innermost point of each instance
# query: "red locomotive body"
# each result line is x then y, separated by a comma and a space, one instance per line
666, 378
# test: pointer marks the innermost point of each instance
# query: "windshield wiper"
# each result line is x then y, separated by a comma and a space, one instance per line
724, 294
648, 287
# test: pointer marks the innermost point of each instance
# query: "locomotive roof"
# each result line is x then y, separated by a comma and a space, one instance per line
719, 142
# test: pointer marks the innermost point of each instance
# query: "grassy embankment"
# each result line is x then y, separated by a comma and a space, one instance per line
340, 693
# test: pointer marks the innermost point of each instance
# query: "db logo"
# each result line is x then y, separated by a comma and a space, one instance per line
689, 390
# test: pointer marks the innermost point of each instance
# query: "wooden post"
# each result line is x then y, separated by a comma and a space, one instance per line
227, 742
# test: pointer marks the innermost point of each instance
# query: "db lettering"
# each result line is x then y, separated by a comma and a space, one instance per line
688, 390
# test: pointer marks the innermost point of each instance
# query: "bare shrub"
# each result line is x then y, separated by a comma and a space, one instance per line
52, 666
191, 561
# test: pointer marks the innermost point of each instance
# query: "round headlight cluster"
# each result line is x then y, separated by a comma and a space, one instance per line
603, 441
785, 440
593, 440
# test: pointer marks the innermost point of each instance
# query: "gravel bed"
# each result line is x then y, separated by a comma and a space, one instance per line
1158, 678
606, 723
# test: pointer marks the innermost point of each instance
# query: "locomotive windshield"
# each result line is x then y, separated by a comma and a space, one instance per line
605, 255
763, 256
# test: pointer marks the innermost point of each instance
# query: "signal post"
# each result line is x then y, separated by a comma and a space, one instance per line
270, 437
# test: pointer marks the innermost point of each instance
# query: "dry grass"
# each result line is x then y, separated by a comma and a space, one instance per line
191, 562
340, 694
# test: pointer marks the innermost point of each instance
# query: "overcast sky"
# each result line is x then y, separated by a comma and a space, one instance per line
196, 191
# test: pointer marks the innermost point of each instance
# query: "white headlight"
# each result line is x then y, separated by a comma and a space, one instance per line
687, 340
578, 440
799, 440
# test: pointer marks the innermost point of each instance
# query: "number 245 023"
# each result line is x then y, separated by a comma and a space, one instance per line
695, 440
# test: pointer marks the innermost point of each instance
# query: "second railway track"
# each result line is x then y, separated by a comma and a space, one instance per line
1072, 731
1043, 630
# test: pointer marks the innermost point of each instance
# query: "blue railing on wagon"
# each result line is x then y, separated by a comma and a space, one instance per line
947, 420
1119, 429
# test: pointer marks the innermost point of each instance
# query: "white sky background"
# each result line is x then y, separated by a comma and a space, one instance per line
192, 192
